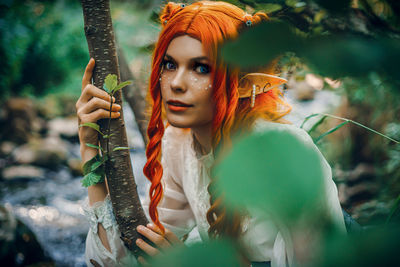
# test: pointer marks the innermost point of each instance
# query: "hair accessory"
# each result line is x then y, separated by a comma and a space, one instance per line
165, 21
253, 84
247, 17
253, 96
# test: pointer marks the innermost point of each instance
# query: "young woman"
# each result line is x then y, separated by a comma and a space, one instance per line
198, 103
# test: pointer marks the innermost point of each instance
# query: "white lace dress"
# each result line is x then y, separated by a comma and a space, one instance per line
186, 201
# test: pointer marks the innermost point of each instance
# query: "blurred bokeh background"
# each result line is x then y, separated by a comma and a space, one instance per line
340, 58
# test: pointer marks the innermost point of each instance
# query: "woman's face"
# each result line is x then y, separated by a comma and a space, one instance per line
186, 84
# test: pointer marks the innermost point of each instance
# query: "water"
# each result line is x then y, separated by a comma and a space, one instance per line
52, 207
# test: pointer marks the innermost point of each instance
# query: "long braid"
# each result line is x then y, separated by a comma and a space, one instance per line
153, 169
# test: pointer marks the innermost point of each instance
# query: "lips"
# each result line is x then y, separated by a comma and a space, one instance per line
175, 105
178, 103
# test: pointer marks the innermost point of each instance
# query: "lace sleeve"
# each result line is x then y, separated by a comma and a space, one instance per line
102, 212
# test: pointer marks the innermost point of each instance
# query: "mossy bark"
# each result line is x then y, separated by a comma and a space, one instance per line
123, 190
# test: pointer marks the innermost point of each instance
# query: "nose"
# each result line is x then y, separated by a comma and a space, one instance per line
178, 83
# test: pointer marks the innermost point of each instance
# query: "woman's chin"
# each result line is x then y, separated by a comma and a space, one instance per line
179, 124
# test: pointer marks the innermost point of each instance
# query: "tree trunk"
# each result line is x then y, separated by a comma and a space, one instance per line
133, 94
123, 191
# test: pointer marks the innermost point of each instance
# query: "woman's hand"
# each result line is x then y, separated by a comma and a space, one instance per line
92, 105
153, 233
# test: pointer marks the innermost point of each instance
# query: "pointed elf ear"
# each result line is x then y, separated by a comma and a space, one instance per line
256, 83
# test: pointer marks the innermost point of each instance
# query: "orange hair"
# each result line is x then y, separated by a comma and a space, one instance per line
211, 23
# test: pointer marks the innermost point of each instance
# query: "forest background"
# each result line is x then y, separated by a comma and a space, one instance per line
349, 49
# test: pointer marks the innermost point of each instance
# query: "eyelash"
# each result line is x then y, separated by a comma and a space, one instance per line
196, 65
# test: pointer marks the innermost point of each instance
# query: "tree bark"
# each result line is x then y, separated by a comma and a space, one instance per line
123, 190
133, 95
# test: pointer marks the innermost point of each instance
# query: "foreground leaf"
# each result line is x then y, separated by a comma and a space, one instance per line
275, 171
211, 253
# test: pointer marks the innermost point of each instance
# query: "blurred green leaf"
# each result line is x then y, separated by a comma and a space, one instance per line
373, 247
260, 44
212, 253
275, 171
337, 6
268, 8
394, 209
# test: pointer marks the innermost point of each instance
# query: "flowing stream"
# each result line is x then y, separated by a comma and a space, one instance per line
51, 207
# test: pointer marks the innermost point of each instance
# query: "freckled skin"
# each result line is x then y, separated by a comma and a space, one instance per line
185, 82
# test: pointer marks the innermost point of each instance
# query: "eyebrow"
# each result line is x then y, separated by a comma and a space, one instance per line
192, 59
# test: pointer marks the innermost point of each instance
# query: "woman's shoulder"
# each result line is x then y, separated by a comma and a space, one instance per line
262, 126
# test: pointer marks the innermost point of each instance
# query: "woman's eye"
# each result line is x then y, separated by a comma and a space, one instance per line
203, 69
169, 65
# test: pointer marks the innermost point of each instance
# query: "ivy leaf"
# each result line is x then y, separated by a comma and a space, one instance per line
94, 170
121, 85
121, 148
110, 82
92, 125
92, 178
87, 167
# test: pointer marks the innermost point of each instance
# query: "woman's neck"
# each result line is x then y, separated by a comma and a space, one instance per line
203, 136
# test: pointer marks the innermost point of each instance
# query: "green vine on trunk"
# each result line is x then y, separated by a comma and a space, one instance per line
94, 169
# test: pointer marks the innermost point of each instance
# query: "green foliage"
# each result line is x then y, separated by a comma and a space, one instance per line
211, 253
118, 148
373, 247
330, 55
92, 125
111, 84
337, 6
334, 129
94, 169
252, 174
41, 47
